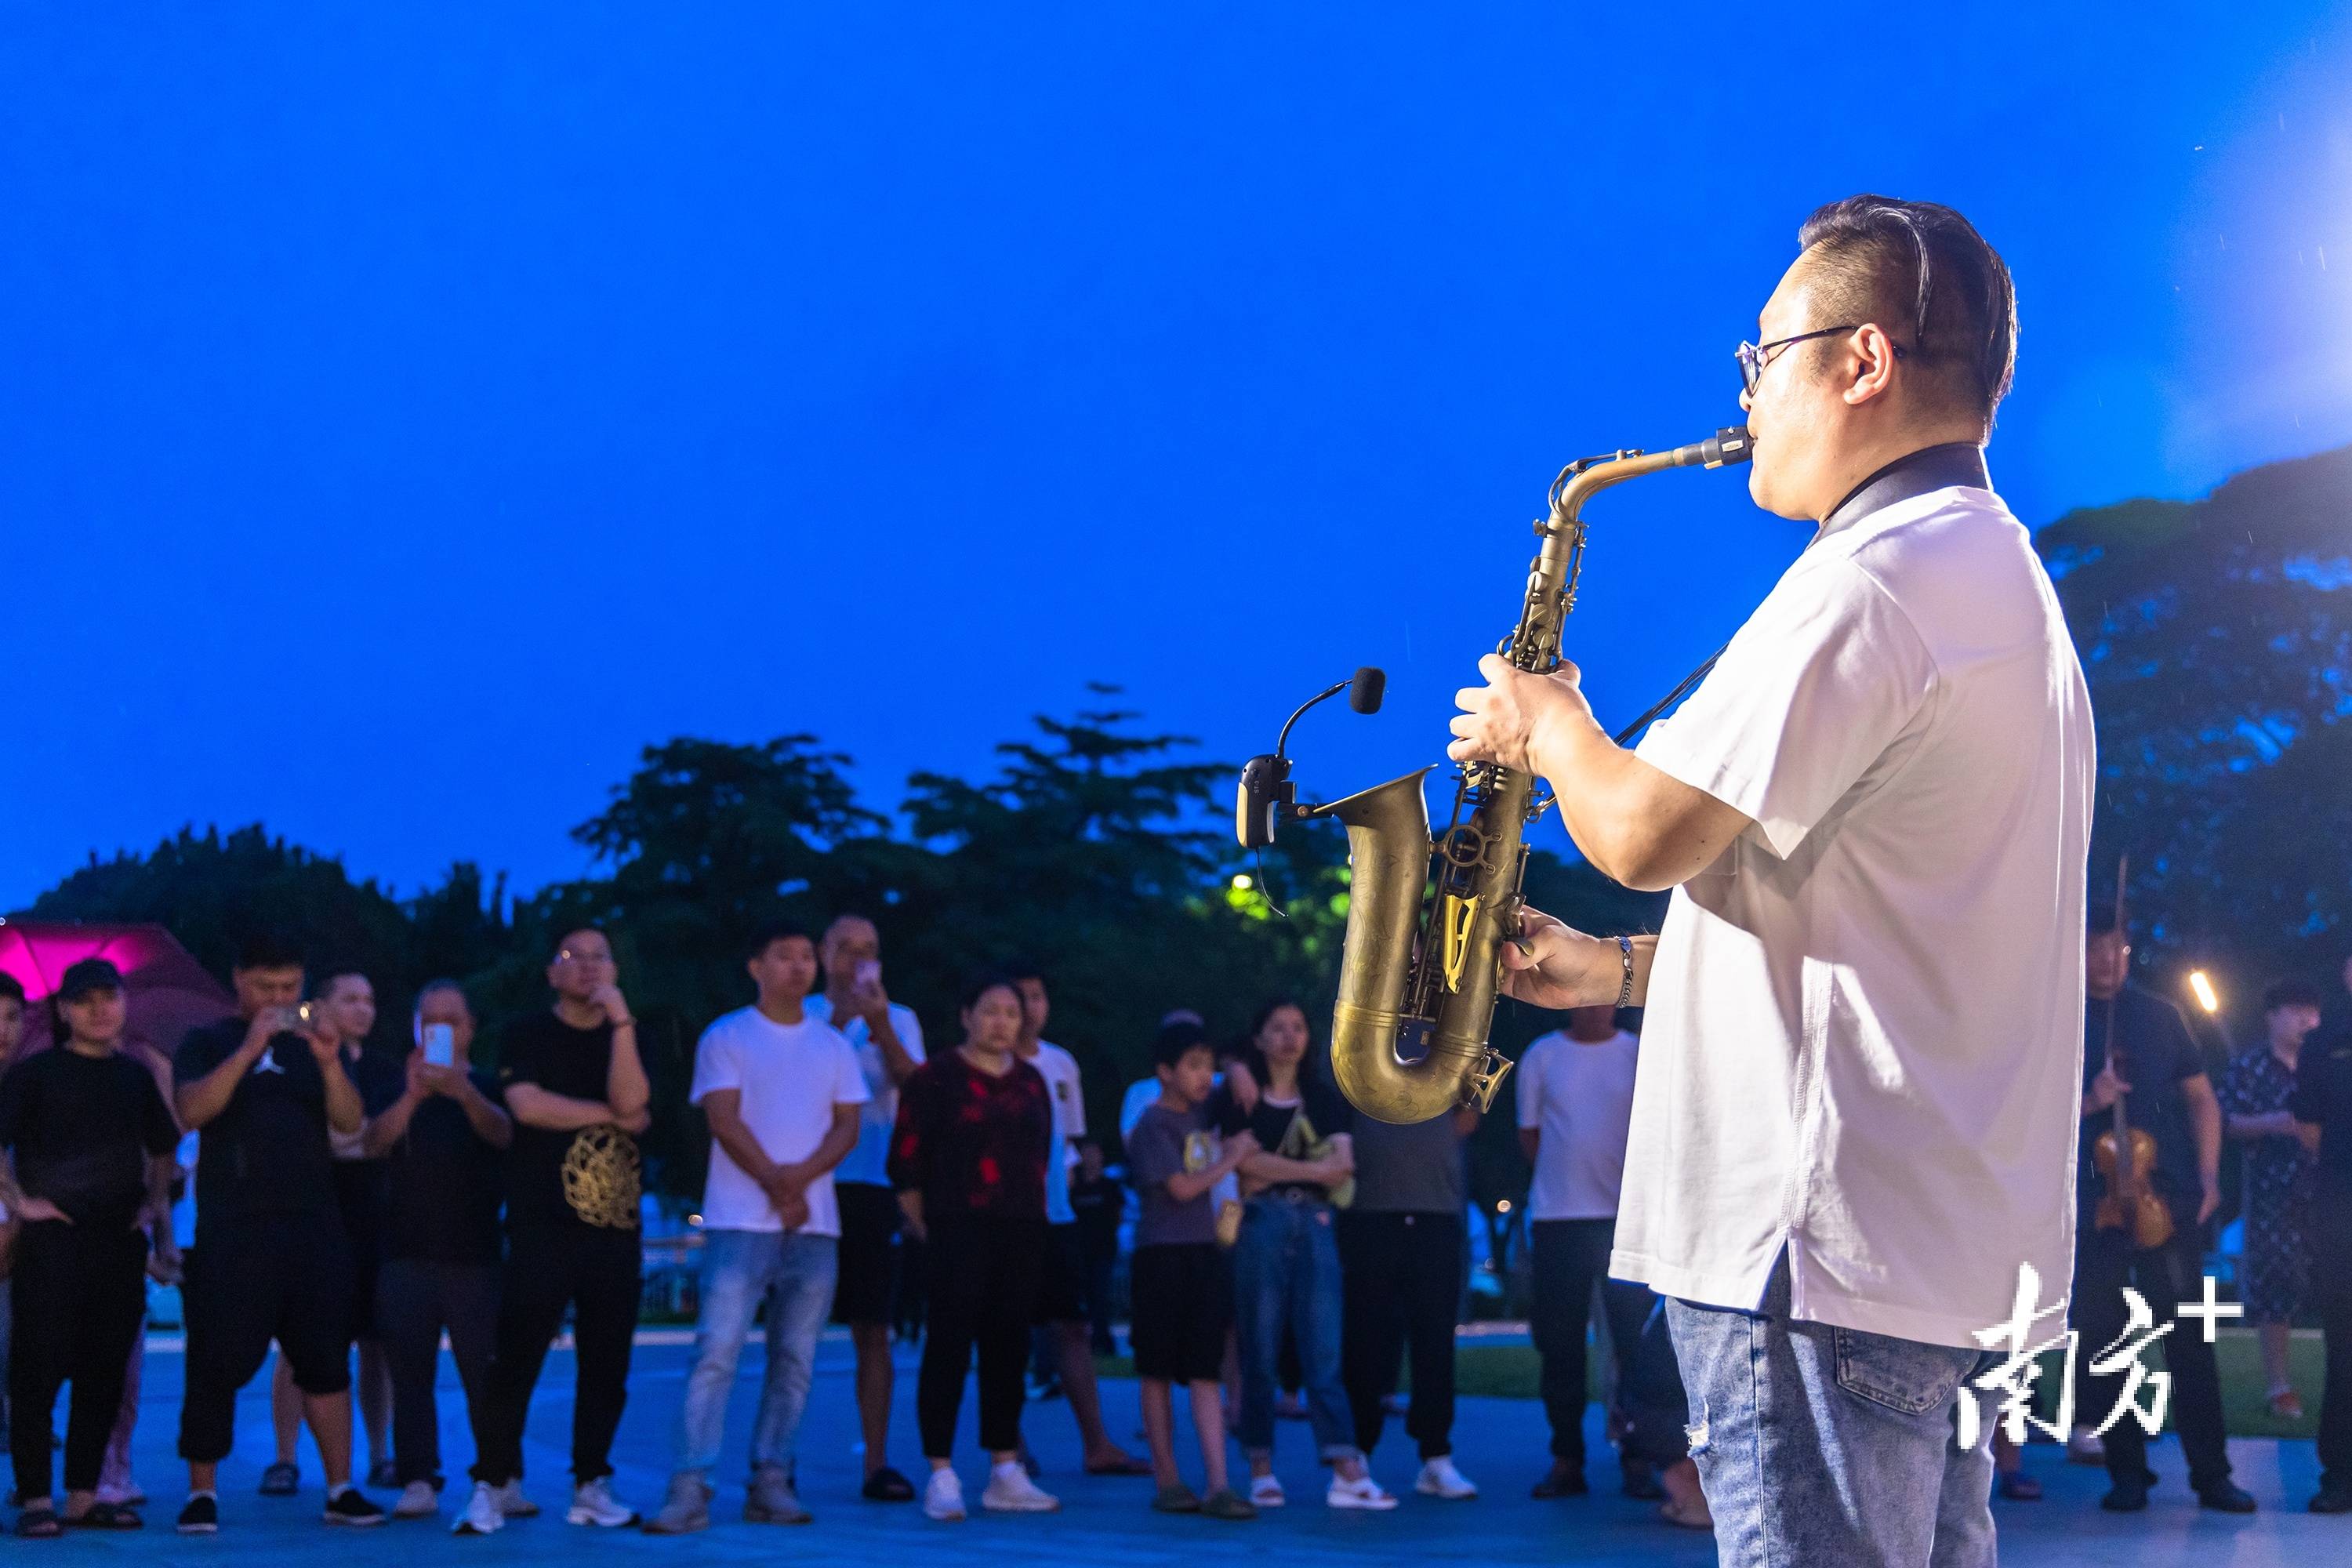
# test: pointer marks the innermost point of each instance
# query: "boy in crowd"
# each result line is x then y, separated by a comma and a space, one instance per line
577, 1091
889, 1046
90, 1144
782, 1091
270, 1260
1061, 1287
443, 1144
1183, 1287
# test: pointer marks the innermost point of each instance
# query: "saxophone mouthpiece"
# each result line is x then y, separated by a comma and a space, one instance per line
1730, 444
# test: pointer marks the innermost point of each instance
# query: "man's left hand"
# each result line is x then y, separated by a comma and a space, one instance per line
2207, 1205
1504, 721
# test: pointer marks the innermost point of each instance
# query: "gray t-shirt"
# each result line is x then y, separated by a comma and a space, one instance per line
1167, 1143
1409, 1170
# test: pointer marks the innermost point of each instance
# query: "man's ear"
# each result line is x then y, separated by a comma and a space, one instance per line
1868, 363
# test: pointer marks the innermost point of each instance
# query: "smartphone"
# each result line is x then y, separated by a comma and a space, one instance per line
870, 974
440, 1045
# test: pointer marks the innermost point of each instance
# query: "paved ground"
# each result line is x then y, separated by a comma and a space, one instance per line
1105, 1523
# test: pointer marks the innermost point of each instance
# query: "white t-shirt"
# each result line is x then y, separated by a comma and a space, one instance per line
791, 1076
1060, 1070
870, 1160
1864, 1036
1580, 1096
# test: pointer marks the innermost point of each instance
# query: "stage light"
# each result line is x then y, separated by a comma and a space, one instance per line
2203, 987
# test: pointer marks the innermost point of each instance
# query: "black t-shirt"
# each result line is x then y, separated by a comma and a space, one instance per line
81, 1128
446, 1183
2323, 1096
1291, 1131
359, 1183
267, 1152
589, 1174
2158, 1055
1099, 1205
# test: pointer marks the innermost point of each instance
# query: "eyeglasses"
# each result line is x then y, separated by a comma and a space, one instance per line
1754, 357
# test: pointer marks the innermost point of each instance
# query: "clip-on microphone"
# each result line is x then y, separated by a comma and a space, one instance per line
1267, 798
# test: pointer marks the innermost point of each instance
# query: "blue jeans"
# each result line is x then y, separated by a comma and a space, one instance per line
794, 1274
1821, 1445
1286, 1276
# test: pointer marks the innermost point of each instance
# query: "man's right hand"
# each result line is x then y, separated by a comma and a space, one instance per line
2104, 1091
267, 1025
1555, 966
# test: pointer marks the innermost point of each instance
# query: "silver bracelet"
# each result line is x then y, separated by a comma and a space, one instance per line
1625, 951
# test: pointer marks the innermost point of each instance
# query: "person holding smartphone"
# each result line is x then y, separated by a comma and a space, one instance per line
889, 1046
270, 1260
443, 1144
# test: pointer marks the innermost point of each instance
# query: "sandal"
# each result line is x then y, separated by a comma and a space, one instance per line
1125, 1465
1692, 1517
39, 1522
106, 1516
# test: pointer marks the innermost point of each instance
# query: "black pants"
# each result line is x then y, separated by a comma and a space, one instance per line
550, 1265
252, 1278
1570, 1255
1400, 1290
2105, 1262
414, 1301
1656, 1406
982, 1274
1100, 1261
81, 1300
2331, 1288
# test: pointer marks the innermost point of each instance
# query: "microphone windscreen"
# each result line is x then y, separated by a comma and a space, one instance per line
1366, 687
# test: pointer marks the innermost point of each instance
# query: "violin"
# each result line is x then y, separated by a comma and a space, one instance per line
2125, 1155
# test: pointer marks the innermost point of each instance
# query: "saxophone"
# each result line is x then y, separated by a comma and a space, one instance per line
1427, 915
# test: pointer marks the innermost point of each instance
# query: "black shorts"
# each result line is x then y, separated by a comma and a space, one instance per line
255, 1279
1062, 1277
867, 1277
1184, 1311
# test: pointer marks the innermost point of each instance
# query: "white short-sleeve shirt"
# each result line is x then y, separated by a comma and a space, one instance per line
790, 1077
1864, 1034
1060, 1070
1579, 1095
870, 1160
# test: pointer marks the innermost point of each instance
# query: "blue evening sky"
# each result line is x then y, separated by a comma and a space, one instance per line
407, 412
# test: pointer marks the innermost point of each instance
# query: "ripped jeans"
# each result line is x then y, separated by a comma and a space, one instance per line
1823, 1445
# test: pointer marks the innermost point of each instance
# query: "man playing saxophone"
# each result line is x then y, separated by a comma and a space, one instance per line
1854, 1113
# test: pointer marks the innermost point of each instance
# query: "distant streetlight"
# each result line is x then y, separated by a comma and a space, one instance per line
2207, 998
1240, 882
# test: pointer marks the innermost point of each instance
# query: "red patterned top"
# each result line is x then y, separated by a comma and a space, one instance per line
971, 1142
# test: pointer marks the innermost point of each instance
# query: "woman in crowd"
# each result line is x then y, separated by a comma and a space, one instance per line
89, 1142
2281, 1172
968, 1160
1287, 1263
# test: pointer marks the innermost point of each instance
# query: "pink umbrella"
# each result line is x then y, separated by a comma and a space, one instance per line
170, 991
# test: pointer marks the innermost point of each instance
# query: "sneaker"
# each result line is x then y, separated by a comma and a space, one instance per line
1010, 1491
281, 1479
1438, 1479
418, 1499
511, 1502
483, 1512
773, 1499
685, 1510
1363, 1492
2226, 1497
593, 1502
381, 1475
1225, 1504
200, 1517
1265, 1492
943, 1498
2084, 1446
353, 1506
